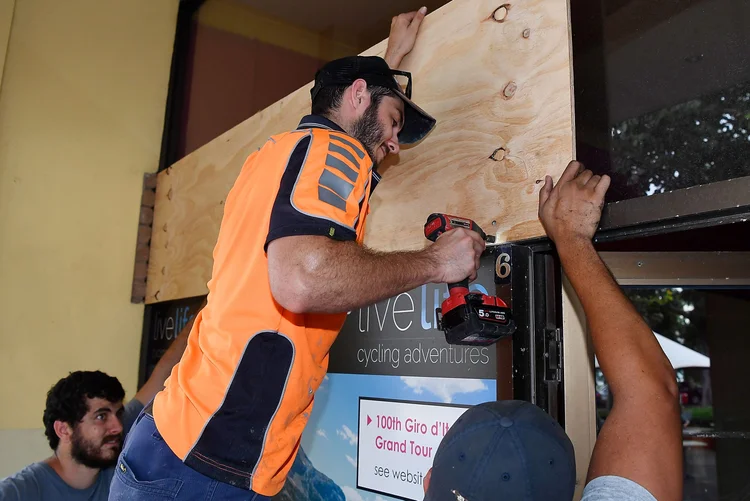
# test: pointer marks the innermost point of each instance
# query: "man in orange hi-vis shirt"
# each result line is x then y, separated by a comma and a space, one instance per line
288, 265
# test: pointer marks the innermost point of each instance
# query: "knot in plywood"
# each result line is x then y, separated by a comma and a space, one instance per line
500, 14
498, 154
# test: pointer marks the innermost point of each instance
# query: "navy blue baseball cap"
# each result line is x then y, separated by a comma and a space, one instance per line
503, 451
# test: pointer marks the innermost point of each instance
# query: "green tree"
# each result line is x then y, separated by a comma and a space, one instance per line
700, 141
678, 314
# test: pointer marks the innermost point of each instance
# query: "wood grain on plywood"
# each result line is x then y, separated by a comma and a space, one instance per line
498, 79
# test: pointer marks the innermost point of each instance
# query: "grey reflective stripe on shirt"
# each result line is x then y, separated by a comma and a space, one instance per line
612, 488
357, 149
339, 186
342, 167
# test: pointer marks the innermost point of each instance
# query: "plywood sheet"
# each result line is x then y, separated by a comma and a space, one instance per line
498, 79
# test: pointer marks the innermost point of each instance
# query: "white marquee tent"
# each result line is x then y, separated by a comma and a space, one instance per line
680, 356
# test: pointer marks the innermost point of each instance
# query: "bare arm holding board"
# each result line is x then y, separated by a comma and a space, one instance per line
641, 440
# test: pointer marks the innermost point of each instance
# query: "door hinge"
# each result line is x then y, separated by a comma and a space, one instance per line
553, 355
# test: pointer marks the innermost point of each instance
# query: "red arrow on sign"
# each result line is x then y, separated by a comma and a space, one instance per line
369, 420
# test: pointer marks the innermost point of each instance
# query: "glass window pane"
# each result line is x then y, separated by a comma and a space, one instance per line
712, 325
662, 92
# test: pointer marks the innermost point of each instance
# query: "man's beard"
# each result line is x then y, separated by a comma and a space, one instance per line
368, 130
93, 456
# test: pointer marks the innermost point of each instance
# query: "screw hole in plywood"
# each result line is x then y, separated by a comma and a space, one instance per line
510, 90
526, 33
501, 13
498, 154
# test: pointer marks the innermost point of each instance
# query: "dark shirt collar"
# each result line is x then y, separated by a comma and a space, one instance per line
320, 122
375, 179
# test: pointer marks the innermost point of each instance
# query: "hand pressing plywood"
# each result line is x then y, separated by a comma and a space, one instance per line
498, 79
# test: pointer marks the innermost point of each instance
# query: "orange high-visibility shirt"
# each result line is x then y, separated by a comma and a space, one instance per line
235, 406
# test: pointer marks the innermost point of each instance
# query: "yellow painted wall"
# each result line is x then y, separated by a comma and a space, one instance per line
6, 16
82, 103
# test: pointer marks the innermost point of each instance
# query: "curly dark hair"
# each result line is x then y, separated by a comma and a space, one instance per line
66, 401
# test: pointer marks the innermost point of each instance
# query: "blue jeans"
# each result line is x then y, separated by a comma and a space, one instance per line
148, 469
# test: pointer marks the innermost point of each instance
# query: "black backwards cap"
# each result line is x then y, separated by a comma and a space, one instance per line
376, 72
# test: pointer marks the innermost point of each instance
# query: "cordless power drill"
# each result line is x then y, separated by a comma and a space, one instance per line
468, 318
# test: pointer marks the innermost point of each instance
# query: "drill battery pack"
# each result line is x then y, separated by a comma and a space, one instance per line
474, 319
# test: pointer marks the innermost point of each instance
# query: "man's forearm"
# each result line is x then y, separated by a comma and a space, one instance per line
392, 60
164, 366
173, 355
627, 350
641, 438
343, 276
